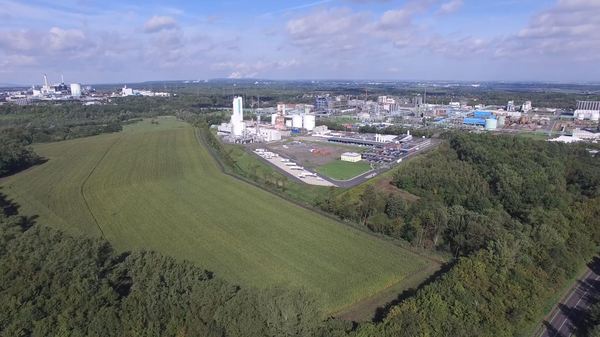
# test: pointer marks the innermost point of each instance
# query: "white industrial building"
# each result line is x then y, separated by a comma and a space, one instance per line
385, 138
236, 125
352, 157
309, 122
237, 118
586, 134
265, 134
126, 91
75, 90
587, 110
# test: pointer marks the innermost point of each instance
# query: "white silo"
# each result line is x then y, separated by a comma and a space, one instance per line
273, 118
297, 121
75, 89
309, 122
491, 124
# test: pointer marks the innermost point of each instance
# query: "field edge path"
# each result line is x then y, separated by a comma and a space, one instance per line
87, 178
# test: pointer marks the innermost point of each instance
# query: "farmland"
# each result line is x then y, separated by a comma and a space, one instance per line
343, 170
155, 187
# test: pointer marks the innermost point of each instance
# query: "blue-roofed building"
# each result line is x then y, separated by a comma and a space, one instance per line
474, 121
483, 114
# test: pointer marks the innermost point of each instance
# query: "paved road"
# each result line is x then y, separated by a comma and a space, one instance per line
567, 315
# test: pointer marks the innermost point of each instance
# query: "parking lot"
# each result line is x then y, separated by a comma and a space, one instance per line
292, 168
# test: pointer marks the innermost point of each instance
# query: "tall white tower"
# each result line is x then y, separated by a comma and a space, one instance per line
237, 118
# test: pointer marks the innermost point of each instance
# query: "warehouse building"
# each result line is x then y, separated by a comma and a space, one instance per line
352, 157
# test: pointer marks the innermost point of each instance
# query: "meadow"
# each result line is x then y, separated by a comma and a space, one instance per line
343, 170
155, 187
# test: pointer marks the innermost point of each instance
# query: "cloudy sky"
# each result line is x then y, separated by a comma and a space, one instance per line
114, 41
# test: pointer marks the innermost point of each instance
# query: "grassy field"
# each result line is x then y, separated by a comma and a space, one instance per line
155, 187
343, 170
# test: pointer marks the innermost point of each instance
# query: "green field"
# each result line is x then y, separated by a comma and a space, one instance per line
343, 170
155, 187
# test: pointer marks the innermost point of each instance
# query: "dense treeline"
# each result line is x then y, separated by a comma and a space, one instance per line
52, 284
520, 216
15, 155
55, 122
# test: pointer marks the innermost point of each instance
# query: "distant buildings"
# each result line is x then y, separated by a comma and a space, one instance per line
321, 104
587, 110
526, 107
131, 92
510, 107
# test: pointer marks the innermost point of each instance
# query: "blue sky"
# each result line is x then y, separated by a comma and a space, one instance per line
117, 41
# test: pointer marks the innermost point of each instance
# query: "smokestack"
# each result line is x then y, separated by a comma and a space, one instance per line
62, 78
45, 80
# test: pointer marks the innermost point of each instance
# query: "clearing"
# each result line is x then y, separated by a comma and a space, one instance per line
343, 170
155, 187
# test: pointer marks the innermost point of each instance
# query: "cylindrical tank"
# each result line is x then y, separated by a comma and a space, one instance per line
273, 119
309, 122
491, 124
297, 121
501, 121
595, 115
75, 89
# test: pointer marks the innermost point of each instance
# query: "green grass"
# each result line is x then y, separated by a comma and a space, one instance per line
343, 170
155, 187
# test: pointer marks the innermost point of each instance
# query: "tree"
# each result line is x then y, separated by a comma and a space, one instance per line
395, 206
368, 203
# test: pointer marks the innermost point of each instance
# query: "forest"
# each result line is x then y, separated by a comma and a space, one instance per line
521, 217
52, 284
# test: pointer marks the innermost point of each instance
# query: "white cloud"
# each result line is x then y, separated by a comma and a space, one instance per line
568, 30
450, 6
158, 23
66, 39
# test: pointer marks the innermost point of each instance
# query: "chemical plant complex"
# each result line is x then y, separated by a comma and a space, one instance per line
299, 148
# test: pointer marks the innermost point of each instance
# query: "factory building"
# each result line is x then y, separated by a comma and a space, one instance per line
587, 110
321, 104
352, 157
236, 125
75, 90
491, 124
126, 91
237, 118
474, 121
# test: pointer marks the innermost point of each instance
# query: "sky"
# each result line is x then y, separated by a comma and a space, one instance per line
115, 41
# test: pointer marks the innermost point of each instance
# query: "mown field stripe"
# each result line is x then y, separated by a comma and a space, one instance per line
82, 188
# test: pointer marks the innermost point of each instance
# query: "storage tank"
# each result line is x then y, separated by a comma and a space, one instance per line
75, 89
491, 124
309, 122
273, 119
595, 115
501, 121
297, 121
